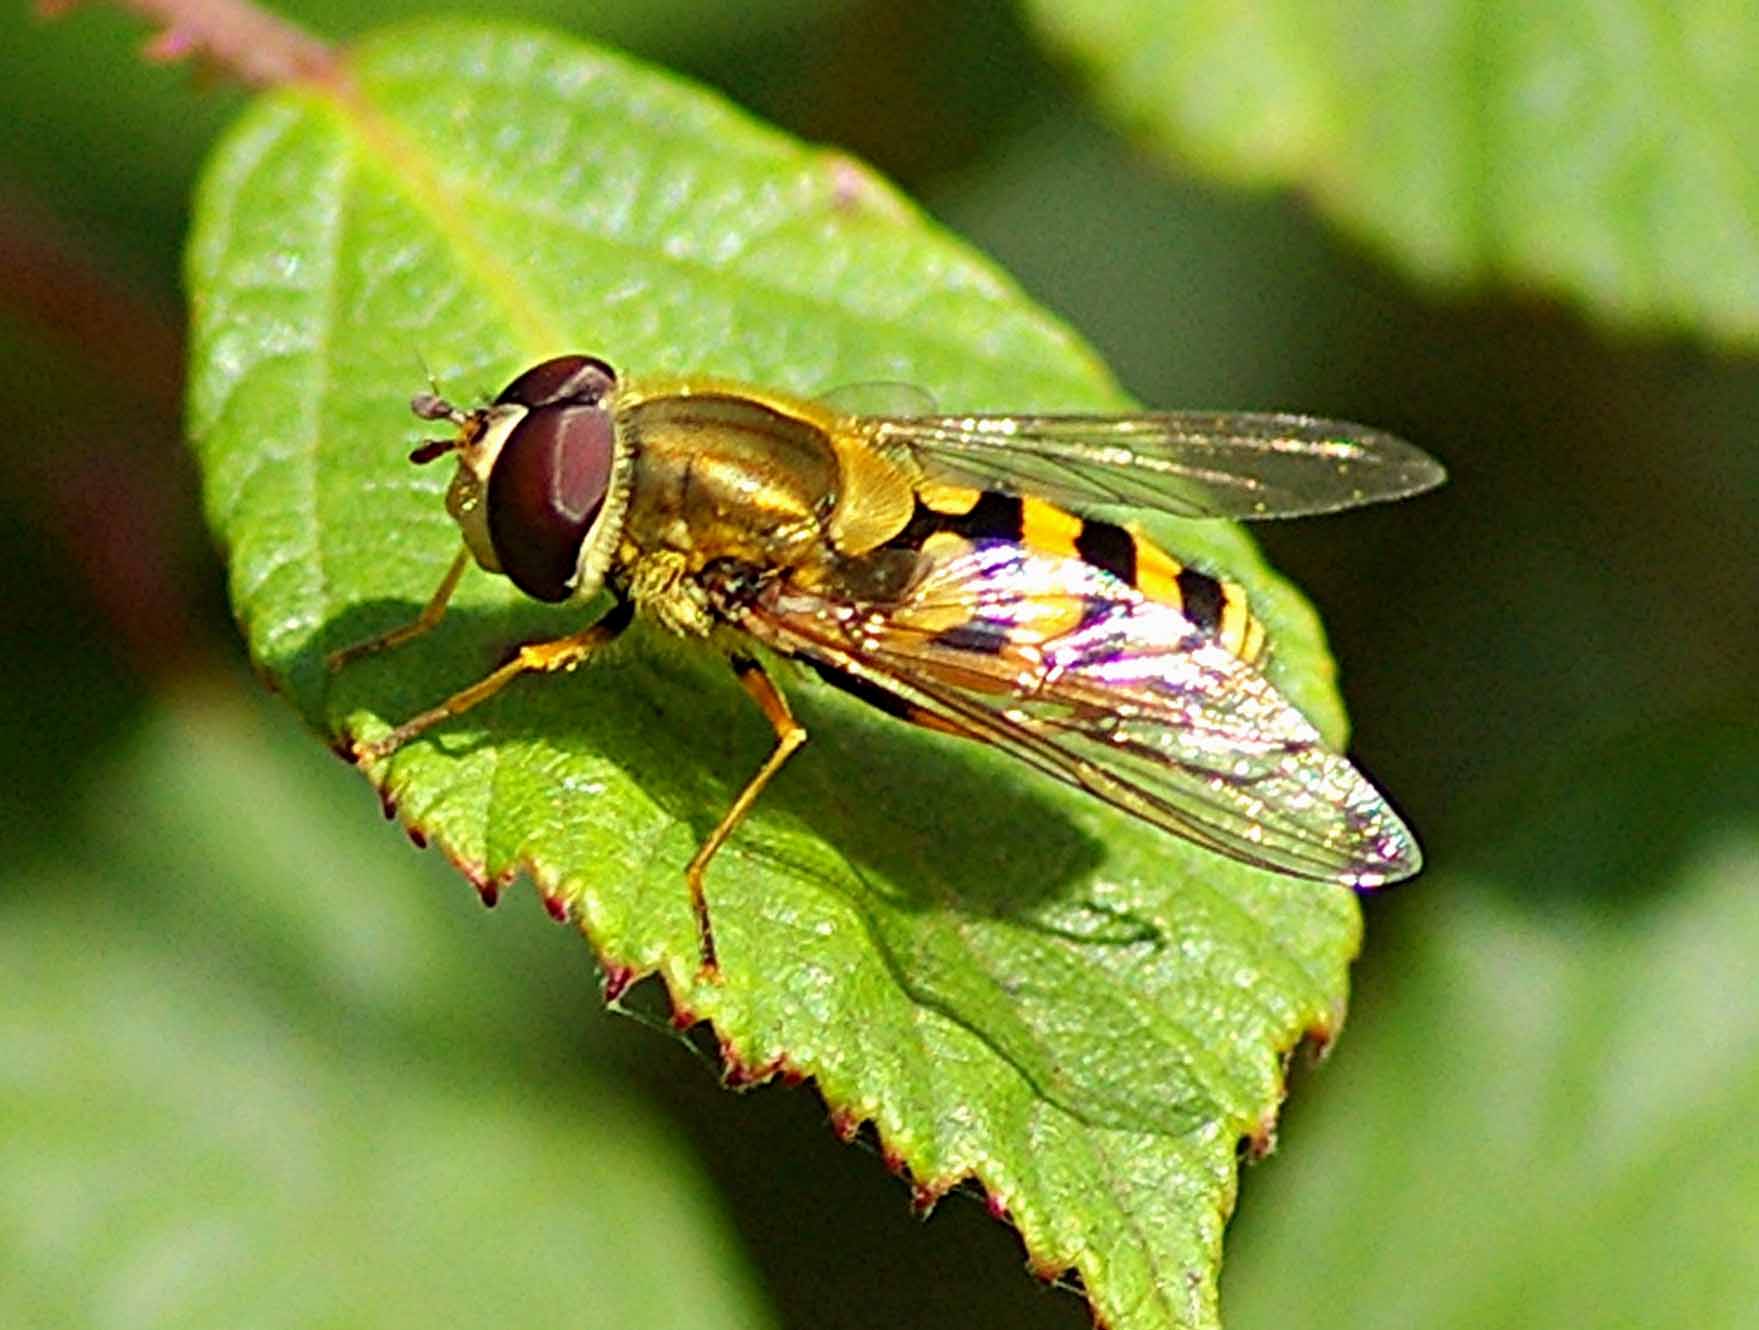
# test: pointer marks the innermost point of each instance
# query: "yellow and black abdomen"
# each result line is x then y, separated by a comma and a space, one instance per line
1213, 605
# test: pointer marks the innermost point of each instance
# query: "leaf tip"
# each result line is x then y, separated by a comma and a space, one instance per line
739, 1074
856, 189
618, 978
1318, 1037
846, 1124
1053, 1273
1260, 1141
924, 1196
488, 886
736, 1073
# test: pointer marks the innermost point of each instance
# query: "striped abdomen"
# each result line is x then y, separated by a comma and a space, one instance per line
947, 513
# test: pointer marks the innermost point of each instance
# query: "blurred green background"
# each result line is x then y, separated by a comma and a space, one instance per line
249, 1033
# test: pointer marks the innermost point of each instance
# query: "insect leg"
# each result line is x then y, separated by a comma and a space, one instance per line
431, 614
563, 653
790, 734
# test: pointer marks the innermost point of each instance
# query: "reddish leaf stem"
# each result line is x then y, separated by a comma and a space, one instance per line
251, 45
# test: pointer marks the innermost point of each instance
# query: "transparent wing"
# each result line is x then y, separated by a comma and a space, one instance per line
1072, 672
1191, 464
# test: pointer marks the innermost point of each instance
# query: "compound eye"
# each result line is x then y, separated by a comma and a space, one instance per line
547, 487
566, 380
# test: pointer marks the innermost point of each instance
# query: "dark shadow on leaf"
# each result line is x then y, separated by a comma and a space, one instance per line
976, 885
930, 826
1110, 927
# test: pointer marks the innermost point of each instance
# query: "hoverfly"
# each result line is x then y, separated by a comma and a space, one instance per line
947, 569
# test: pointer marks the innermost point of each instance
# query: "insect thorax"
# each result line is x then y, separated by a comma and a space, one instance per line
719, 478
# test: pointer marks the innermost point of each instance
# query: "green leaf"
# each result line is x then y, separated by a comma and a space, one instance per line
1598, 152
1013, 984
213, 1113
1550, 1116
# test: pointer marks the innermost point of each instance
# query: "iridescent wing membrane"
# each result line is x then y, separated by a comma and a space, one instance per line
1071, 670
1236, 465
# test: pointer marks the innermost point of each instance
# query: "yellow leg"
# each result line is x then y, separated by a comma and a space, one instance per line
563, 653
789, 736
431, 614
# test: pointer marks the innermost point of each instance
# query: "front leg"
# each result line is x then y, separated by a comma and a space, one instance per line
431, 614
562, 653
